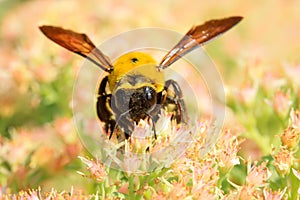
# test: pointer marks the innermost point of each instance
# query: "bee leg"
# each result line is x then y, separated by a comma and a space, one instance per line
153, 124
104, 111
126, 124
155, 112
154, 129
174, 96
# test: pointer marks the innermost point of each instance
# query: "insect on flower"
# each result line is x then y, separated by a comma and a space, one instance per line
134, 88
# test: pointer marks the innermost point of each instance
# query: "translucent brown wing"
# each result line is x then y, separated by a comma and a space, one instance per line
78, 43
198, 35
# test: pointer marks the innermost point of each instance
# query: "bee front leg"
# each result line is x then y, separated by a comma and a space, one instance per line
104, 111
174, 97
126, 124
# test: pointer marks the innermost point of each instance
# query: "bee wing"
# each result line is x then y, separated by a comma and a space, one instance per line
198, 35
78, 43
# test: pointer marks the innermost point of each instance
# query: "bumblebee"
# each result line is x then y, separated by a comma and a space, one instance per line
134, 88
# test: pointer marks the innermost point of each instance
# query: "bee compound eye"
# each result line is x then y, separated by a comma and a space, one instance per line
121, 99
150, 94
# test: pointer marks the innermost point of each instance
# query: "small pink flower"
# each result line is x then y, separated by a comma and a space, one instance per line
96, 169
283, 160
32, 195
247, 93
160, 195
227, 150
16, 150
141, 138
290, 137
247, 191
282, 103
178, 191
65, 128
272, 80
131, 163
274, 195
228, 158
205, 177
257, 175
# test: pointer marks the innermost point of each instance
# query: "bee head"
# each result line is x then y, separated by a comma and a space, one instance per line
135, 83
136, 102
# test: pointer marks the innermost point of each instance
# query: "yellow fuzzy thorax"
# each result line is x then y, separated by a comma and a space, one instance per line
136, 63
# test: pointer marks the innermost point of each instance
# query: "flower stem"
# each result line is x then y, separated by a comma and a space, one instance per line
131, 187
